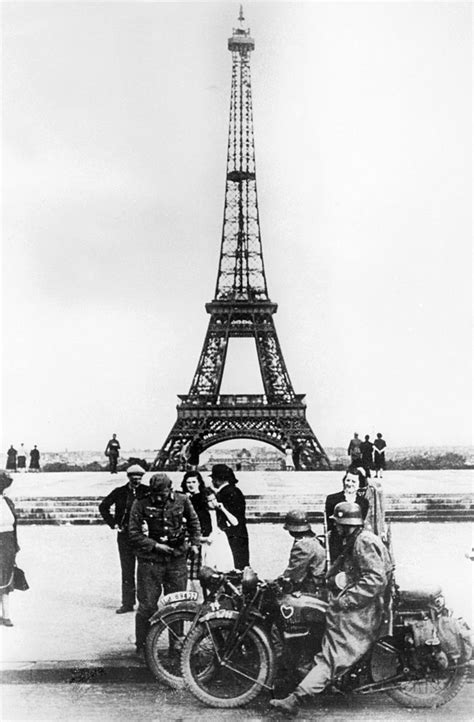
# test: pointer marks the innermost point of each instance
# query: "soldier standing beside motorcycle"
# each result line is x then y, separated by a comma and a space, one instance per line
165, 516
307, 563
355, 612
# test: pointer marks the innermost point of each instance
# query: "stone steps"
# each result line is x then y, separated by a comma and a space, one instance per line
260, 508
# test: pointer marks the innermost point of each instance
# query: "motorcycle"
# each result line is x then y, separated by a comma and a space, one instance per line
233, 655
177, 615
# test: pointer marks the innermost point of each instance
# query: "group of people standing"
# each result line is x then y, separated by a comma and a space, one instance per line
16, 460
164, 536
368, 454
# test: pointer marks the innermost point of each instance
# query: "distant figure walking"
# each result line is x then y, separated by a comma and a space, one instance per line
380, 447
194, 451
21, 460
8, 548
11, 458
122, 498
112, 451
34, 459
289, 465
367, 450
353, 450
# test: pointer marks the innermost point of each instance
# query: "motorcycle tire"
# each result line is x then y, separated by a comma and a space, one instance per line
233, 684
164, 643
430, 692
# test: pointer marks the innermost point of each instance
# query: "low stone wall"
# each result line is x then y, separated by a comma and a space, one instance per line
261, 508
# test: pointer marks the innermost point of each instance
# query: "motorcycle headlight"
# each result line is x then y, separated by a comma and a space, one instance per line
249, 581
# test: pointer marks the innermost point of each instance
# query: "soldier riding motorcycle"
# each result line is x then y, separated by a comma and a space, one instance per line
413, 649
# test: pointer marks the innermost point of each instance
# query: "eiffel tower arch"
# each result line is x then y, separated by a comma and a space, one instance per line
241, 308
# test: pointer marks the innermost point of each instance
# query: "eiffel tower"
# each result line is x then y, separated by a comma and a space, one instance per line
242, 308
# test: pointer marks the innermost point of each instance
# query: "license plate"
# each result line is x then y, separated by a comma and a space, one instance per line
179, 597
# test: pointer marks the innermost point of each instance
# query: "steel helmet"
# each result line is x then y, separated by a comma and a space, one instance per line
135, 469
297, 520
347, 513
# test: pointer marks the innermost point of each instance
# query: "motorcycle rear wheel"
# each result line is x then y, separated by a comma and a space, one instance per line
430, 692
164, 643
238, 680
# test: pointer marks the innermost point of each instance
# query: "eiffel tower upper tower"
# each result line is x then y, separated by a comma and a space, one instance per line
241, 308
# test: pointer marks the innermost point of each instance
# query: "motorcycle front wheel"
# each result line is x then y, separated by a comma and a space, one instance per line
223, 674
164, 644
432, 692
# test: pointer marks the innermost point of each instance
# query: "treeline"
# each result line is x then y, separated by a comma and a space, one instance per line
94, 465
428, 462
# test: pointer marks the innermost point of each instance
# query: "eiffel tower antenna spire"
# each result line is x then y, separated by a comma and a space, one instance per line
242, 308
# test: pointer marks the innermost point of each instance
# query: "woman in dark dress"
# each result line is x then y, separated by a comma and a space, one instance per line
193, 486
353, 489
11, 459
8, 547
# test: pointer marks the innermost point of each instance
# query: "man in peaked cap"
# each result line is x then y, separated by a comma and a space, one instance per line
122, 498
355, 612
160, 525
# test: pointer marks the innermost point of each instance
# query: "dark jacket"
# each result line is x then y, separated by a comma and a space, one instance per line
199, 502
12, 508
335, 541
234, 501
122, 498
166, 524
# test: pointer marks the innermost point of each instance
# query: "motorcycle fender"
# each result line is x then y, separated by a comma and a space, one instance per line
189, 606
220, 614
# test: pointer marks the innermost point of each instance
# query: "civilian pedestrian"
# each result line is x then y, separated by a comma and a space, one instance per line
8, 548
122, 498
353, 490
21, 460
112, 450
11, 458
193, 486
230, 499
367, 451
34, 459
380, 447
354, 451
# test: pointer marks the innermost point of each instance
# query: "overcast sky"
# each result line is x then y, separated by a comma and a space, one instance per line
115, 121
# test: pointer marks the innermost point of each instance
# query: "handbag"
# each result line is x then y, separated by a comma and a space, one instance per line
19, 580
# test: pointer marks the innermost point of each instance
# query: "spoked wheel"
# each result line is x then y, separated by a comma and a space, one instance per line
164, 644
223, 673
431, 692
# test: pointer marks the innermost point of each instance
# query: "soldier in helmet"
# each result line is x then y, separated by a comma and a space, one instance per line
307, 563
122, 498
355, 611
157, 531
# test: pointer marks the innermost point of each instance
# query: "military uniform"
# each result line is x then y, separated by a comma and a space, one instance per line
165, 524
307, 564
355, 615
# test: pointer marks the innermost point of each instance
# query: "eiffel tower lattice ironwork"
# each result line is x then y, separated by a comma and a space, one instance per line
241, 308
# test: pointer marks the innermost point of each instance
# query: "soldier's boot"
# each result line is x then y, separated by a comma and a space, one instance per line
288, 705
141, 631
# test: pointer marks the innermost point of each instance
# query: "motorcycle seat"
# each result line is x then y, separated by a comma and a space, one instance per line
417, 597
